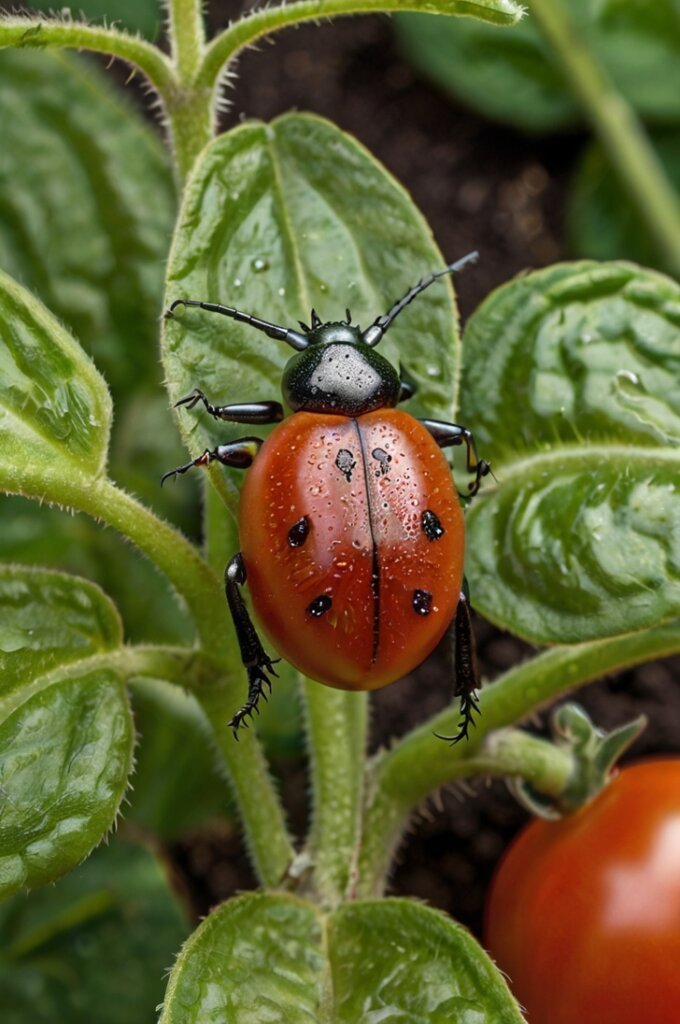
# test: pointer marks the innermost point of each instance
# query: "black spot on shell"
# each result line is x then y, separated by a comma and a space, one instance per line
384, 460
297, 534
345, 462
319, 606
432, 528
422, 602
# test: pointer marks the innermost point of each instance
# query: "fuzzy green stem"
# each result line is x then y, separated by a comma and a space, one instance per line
618, 128
40, 32
336, 727
170, 550
259, 806
254, 26
186, 33
191, 106
420, 764
516, 753
269, 844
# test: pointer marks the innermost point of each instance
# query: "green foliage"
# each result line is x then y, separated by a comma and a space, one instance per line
56, 407
602, 223
386, 959
581, 537
65, 726
95, 947
86, 208
512, 76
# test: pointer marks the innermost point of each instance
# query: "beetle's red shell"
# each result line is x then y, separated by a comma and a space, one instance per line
363, 521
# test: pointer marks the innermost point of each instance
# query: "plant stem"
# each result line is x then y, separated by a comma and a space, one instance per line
336, 727
190, 107
420, 764
270, 847
38, 32
169, 549
617, 126
186, 33
249, 29
271, 850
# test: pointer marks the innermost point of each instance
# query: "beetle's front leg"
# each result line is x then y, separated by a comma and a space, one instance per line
256, 661
448, 435
237, 412
238, 454
465, 672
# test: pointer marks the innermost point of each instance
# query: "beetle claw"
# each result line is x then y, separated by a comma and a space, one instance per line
469, 707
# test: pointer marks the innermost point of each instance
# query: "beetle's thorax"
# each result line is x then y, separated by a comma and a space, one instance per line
339, 374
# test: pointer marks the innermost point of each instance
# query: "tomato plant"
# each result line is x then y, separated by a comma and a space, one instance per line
584, 913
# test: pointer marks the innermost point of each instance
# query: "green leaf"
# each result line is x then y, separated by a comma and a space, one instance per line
86, 207
274, 957
511, 75
55, 410
94, 947
65, 756
603, 224
49, 620
571, 391
66, 732
281, 218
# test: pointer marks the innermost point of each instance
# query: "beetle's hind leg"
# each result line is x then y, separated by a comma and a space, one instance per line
465, 672
256, 661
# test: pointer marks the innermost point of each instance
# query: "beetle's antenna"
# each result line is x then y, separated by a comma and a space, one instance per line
292, 338
374, 334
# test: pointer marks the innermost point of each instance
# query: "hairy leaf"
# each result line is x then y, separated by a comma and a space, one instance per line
65, 728
571, 391
49, 620
275, 958
65, 755
603, 224
86, 207
55, 410
94, 947
281, 218
511, 75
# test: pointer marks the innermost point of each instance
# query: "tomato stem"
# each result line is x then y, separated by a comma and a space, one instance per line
419, 764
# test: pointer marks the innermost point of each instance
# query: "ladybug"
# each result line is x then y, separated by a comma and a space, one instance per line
351, 528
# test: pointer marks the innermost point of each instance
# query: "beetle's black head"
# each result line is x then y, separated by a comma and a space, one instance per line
339, 373
337, 369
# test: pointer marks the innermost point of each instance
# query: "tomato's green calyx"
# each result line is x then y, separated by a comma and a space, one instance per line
594, 753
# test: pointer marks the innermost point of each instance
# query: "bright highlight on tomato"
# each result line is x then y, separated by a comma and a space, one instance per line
584, 913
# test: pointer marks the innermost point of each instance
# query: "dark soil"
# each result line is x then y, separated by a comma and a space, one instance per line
480, 186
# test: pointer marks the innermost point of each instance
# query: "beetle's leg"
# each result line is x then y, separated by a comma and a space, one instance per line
257, 662
466, 675
238, 454
240, 412
447, 435
408, 386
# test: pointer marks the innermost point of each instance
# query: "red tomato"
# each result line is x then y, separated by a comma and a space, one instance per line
584, 913
360, 487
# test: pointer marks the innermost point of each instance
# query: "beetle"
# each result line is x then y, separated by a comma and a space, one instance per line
350, 525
